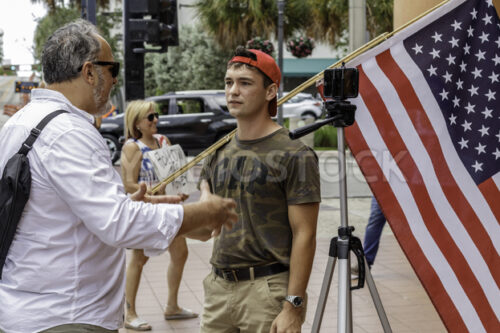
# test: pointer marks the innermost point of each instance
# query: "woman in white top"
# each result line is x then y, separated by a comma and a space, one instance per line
141, 134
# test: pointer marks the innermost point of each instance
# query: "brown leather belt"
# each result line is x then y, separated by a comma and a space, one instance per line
242, 274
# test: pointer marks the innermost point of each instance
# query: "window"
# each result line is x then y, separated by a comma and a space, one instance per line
189, 105
163, 106
221, 101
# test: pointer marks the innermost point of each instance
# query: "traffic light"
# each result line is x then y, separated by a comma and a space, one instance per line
168, 16
159, 28
146, 21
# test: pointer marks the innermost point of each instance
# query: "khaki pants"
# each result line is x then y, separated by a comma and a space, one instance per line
244, 307
78, 328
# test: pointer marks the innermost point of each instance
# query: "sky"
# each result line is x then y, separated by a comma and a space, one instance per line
17, 20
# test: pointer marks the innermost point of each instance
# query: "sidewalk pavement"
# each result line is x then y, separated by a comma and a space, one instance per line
406, 303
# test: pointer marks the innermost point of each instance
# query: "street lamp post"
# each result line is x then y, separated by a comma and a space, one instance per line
357, 24
281, 11
88, 11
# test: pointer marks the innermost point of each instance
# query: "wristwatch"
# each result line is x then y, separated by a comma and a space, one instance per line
296, 301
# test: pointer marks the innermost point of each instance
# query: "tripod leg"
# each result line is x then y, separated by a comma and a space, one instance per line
344, 307
325, 289
376, 300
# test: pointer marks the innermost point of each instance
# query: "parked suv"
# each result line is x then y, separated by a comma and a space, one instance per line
193, 119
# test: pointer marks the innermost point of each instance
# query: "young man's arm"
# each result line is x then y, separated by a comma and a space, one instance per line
303, 219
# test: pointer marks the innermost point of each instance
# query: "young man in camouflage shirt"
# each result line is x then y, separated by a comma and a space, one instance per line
262, 266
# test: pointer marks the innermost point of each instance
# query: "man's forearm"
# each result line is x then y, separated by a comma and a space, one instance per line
301, 260
194, 215
202, 234
211, 213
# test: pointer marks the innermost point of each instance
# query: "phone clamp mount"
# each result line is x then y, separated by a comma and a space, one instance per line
339, 85
341, 113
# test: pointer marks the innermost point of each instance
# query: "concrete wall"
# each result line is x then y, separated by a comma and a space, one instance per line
405, 10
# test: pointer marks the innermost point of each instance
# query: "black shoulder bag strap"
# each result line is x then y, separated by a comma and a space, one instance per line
35, 132
15, 186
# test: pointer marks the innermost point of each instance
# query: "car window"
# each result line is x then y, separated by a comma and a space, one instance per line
189, 105
221, 101
163, 106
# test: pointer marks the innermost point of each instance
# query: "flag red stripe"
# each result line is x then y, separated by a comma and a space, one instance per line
491, 193
396, 218
415, 182
455, 197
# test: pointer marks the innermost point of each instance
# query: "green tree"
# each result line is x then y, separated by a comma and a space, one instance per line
379, 16
62, 15
52, 5
48, 24
331, 18
234, 22
197, 63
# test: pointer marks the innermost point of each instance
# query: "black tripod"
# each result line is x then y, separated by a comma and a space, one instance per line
341, 114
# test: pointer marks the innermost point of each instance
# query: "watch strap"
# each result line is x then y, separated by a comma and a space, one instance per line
296, 301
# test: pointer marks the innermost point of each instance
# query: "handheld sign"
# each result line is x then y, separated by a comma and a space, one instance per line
166, 161
25, 87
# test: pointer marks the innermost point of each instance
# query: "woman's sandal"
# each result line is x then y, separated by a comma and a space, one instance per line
138, 324
183, 314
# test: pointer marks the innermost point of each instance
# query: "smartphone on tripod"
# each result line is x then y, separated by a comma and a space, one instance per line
341, 83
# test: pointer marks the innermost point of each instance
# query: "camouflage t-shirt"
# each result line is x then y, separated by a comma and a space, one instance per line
263, 176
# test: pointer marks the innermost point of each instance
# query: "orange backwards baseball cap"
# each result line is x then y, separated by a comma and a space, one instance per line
266, 64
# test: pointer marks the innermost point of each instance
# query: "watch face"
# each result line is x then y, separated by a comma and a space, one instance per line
295, 300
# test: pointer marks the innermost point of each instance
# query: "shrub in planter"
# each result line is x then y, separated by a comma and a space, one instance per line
259, 43
300, 47
325, 137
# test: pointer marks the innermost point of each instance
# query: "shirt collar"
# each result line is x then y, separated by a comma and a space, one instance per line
55, 96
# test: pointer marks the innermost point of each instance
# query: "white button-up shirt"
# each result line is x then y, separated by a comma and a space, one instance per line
67, 261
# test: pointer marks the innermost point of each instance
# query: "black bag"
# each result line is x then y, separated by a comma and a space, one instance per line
15, 187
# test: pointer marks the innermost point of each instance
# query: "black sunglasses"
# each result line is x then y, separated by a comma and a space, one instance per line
152, 116
114, 69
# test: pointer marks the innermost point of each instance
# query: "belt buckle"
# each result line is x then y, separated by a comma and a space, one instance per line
225, 275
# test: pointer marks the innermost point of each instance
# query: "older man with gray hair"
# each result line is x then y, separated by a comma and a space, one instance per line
64, 271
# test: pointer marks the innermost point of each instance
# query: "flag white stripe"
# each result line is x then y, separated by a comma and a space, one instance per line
416, 224
443, 208
496, 180
460, 174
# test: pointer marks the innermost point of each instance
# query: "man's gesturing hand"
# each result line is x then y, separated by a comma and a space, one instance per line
229, 216
208, 215
142, 195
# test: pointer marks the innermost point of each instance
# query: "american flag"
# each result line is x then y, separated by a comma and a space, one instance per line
427, 138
